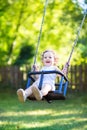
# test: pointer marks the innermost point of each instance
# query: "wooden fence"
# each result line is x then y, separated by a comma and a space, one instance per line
78, 77
13, 76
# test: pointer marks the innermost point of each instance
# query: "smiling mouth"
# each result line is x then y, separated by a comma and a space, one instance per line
47, 61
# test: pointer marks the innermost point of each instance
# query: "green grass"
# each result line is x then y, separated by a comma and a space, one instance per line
70, 114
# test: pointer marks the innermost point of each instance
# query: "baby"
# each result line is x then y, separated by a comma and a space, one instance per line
49, 61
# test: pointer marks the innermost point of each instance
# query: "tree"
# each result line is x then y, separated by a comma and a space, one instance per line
20, 24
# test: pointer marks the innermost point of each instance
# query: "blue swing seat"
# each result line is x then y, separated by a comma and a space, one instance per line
61, 87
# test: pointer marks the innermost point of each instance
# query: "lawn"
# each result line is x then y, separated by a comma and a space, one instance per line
69, 114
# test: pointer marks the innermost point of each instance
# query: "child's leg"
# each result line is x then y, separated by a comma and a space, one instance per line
23, 94
40, 93
45, 89
28, 91
37, 93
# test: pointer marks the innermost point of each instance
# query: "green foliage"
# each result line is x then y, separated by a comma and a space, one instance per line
20, 23
25, 53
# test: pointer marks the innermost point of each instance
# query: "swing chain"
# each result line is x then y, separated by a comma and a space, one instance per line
78, 33
65, 69
40, 32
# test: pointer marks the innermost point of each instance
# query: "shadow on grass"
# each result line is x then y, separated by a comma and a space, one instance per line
56, 126
33, 115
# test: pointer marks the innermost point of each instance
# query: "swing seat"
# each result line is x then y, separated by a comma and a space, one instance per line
58, 94
50, 96
54, 96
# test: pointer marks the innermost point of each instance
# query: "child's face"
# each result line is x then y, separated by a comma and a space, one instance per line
48, 59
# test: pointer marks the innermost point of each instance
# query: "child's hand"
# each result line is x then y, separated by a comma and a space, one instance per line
35, 67
65, 69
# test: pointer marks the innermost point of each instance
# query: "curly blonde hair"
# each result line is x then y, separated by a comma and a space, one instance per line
54, 54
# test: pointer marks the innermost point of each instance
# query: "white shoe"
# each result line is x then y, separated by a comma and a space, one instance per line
37, 93
21, 95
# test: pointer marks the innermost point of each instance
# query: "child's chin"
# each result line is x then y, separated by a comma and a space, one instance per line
48, 65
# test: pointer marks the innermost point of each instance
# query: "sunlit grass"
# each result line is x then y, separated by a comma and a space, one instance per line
70, 114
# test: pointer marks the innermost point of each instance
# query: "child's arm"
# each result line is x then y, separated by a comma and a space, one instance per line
35, 68
57, 69
64, 70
